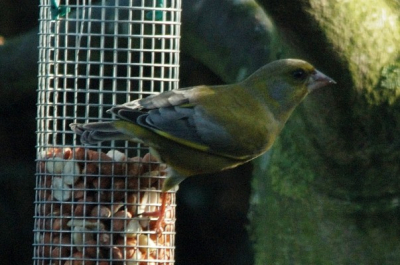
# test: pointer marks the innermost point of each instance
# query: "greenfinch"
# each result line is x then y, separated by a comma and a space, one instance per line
206, 129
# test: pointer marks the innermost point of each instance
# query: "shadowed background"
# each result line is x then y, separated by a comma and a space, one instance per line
327, 193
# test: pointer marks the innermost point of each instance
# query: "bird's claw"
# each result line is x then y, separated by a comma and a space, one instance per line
158, 228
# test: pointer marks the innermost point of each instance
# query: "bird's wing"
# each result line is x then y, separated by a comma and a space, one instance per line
176, 115
176, 97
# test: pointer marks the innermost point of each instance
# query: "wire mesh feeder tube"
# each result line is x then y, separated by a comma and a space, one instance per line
89, 200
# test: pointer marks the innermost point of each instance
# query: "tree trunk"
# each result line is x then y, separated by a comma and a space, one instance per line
328, 192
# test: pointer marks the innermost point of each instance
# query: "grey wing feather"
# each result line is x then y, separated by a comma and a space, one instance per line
189, 122
164, 112
213, 133
177, 121
95, 132
174, 97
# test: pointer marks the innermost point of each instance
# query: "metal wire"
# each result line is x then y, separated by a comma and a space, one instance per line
93, 55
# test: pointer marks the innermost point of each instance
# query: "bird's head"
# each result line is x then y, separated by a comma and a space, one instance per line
283, 84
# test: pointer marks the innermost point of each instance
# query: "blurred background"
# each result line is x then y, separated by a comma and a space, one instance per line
329, 191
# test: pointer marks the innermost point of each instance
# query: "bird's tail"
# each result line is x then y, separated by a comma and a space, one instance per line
95, 132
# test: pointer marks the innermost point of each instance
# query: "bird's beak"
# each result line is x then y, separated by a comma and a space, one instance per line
318, 80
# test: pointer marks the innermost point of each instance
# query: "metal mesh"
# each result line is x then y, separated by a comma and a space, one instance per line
92, 55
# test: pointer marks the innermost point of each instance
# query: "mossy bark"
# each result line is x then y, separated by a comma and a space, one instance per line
329, 191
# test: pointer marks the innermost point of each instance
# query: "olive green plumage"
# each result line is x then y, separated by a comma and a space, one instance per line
206, 129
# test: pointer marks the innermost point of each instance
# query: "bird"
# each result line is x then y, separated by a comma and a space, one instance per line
206, 129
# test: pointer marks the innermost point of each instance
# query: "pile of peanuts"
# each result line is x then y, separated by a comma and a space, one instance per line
89, 206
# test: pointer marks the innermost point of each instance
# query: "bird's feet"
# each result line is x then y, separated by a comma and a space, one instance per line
158, 228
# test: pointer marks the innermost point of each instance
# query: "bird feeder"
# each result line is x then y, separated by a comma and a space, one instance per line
89, 200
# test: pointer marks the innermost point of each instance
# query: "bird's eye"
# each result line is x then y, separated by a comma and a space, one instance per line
299, 74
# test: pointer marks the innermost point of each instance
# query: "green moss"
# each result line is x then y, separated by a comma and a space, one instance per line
314, 228
302, 224
366, 35
290, 170
389, 83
